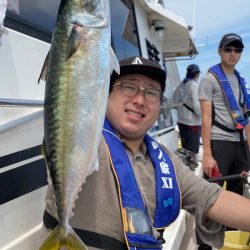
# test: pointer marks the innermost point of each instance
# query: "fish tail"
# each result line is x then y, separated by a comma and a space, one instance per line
57, 239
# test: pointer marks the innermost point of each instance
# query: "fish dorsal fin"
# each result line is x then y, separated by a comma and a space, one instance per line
44, 72
114, 64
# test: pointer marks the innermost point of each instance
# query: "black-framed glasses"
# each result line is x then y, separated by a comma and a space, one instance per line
131, 90
230, 50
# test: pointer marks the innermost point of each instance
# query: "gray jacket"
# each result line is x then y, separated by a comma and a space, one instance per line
184, 115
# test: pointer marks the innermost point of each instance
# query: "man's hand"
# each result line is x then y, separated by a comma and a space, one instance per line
208, 165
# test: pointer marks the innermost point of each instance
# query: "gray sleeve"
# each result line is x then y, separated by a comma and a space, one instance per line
197, 196
194, 99
205, 91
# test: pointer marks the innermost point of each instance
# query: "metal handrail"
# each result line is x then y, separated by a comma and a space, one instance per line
4, 102
20, 121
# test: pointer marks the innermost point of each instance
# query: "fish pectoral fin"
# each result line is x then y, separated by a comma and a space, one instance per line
44, 72
114, 63
73, 42
56, 240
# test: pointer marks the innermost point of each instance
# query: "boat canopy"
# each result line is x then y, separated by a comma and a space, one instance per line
177, 41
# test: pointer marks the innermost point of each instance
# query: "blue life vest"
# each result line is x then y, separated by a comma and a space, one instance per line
240, 119
136, 221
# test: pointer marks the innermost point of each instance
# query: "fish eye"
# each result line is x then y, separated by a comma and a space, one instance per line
90, 5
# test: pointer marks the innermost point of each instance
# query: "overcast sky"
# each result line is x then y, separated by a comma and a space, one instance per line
211, 20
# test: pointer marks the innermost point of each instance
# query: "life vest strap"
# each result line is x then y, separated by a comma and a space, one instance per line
190, 109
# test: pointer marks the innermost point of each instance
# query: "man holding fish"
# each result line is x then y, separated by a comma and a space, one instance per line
141, 186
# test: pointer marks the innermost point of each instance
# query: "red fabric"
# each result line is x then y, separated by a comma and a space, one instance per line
216, 173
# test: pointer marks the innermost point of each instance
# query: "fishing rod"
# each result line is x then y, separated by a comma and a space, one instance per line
244, 175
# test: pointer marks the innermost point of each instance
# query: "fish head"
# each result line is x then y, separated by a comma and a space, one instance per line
91, 6
92, 13
97, 7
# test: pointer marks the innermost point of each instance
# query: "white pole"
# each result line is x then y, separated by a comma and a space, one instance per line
194, 16
164, 3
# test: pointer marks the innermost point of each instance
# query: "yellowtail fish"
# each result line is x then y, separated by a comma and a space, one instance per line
80, 62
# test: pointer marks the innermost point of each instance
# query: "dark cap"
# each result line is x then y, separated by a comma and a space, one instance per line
231, 39
193, 68
140, 65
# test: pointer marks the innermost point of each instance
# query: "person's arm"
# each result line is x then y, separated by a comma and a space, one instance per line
232, 210
194, 99
247, 130
208, 161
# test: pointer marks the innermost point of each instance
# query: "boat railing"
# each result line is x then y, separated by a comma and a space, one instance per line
24, 119
21, 103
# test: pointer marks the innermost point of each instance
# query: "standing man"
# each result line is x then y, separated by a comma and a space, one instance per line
189, 113
225, 104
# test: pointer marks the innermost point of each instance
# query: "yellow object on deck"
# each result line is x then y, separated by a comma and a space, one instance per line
236, 240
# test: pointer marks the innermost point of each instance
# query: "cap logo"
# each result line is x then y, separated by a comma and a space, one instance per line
137, 61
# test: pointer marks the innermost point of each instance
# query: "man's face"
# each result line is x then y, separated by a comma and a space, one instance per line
133, 116
230, 55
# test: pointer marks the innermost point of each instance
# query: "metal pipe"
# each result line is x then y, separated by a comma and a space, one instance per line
20, 121
21, 103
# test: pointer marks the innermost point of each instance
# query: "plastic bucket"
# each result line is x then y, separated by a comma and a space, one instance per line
236, 240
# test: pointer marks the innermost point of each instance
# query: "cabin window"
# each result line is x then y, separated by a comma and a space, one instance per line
124, 30
36, 18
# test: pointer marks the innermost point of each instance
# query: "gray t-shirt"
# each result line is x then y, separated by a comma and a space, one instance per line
210, 90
